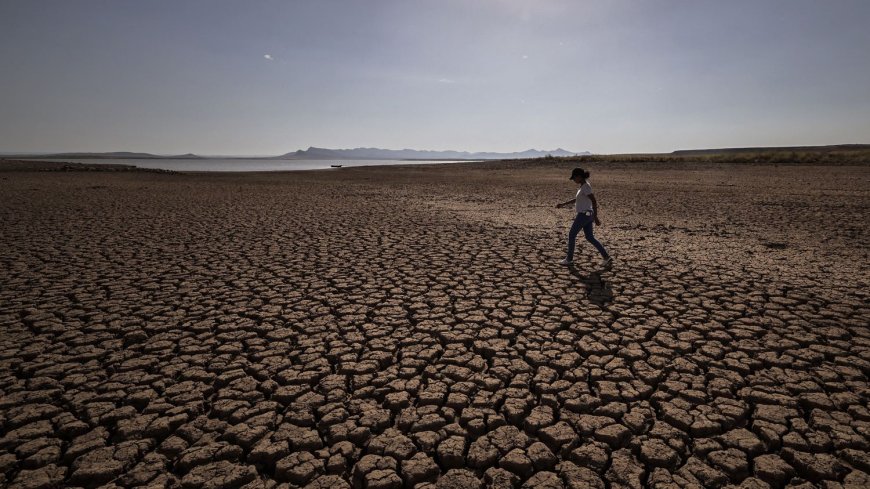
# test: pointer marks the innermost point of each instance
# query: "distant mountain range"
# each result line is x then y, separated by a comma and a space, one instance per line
325, 154
120, 155
313, 153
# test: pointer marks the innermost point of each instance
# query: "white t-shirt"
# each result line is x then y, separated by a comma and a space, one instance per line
583, 203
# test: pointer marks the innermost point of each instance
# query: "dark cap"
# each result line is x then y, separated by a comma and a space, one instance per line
579, 172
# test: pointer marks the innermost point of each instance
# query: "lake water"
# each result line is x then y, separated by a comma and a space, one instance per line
241, 164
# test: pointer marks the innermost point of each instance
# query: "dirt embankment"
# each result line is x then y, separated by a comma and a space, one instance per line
10, 165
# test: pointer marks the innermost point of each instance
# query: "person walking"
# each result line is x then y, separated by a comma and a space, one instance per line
586, 208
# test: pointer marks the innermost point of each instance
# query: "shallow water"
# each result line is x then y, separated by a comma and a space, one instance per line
240, 164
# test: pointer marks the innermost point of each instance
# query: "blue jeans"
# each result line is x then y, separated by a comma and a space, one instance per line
585, 222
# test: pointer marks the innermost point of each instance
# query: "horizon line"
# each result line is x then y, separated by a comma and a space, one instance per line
578, 153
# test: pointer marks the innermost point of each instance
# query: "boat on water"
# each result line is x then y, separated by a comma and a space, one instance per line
336, 166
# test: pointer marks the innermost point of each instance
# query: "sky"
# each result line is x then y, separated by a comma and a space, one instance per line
266, 77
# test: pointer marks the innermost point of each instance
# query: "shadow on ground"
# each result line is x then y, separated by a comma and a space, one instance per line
598, 290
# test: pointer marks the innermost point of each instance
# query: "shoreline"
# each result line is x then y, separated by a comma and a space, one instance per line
692, 163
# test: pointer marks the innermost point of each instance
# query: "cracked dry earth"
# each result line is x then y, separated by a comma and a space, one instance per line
381, 328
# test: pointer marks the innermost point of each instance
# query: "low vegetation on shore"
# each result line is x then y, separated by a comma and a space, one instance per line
856, 154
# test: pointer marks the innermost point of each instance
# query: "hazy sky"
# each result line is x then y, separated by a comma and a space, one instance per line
268, 77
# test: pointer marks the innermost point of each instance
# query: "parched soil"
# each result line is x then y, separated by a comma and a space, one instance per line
382, 328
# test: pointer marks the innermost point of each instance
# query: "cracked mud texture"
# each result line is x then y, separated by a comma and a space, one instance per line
379, 328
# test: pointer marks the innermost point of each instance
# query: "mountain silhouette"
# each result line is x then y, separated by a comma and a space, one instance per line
314, 153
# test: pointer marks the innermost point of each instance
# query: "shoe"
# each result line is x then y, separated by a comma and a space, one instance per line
607, 261
566, 262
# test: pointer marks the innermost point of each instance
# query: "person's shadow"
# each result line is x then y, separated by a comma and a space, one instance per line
598, 291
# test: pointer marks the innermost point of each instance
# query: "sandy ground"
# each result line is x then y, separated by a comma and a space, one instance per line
381, 328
